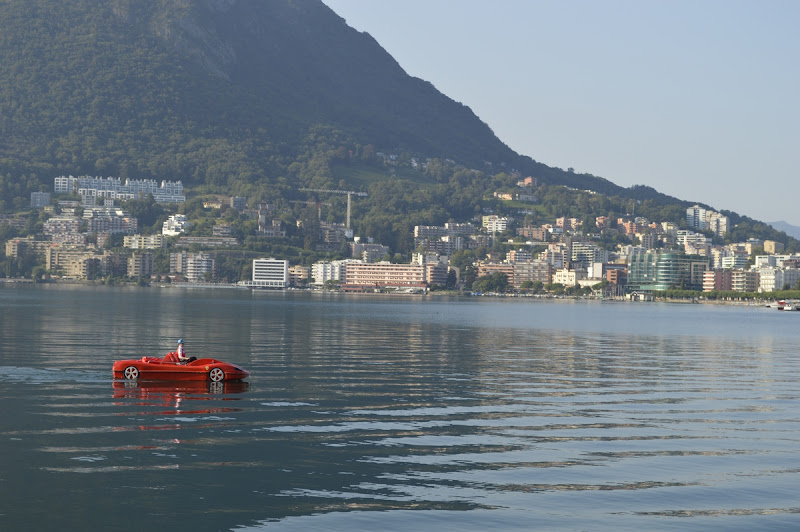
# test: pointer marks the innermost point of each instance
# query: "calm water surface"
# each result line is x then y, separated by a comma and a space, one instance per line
381, 413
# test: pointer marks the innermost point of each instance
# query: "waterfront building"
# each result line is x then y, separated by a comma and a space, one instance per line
140, 265
383, 275
298, 274
772, 279
650, 270
566, 277
270, 273
195, 267
489, 267
533, 271
744, 280
717, 280
325, 271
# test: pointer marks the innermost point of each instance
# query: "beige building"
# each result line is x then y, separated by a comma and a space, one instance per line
298, 274
772, 247
378, 275
140, 265
145, 242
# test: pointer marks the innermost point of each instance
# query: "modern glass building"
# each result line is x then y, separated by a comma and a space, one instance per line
651, 270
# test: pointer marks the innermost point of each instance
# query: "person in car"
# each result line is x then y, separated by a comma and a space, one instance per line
182, 358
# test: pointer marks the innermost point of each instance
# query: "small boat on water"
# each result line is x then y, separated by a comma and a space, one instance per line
786, 305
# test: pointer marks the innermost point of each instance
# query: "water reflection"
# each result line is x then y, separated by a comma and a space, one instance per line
365, 414
183, 398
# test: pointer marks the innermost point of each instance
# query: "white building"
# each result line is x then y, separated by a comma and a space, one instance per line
696, 217
114, 188
494, 223
175, 225
145, 241
587, 253
110, 220
565, 277
717, 223
195, 267
771, 279
270, 273
323, 272
200, 267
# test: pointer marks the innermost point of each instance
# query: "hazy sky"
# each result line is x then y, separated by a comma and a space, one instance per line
698, 99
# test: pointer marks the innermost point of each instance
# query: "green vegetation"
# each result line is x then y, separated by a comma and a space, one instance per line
260, 100
221, 100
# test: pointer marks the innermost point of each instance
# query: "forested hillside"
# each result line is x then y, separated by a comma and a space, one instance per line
251, 98
222, 93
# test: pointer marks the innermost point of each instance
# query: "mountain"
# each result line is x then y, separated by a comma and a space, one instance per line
217, 92
791, 230
257, 98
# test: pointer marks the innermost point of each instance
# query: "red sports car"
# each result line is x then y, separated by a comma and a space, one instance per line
169, 369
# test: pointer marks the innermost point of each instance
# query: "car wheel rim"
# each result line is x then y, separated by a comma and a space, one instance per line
217, 374
131, 373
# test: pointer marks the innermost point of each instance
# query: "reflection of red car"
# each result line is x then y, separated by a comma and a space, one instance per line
196, 390
169, 369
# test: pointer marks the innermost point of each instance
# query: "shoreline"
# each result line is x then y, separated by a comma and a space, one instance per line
768, 303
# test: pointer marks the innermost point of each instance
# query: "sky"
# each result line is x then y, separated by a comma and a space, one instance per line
695, 98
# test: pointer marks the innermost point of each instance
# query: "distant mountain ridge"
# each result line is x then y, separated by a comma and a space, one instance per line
791, 230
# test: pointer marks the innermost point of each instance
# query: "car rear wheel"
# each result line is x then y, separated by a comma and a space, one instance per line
216, 375
131, 373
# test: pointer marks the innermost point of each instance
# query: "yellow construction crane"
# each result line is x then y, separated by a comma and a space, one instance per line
349, 193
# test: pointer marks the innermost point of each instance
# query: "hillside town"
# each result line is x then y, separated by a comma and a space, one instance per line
560, 256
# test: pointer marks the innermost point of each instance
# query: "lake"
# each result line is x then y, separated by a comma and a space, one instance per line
396, 413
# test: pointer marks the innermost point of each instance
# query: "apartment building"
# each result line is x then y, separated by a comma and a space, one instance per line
195, 267
145, 241
140, 265
381, 275
270, 273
